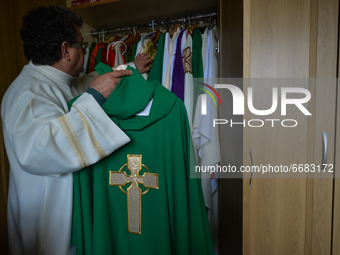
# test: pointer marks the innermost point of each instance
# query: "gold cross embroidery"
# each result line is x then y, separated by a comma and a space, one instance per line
134, 193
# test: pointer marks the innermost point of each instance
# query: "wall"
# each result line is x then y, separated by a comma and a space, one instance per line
8, 71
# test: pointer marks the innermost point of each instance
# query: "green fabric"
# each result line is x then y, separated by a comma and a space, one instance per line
156, 71
197, 64
102, 68
93, 45
134, 51
128, 55
99, 56
173, 217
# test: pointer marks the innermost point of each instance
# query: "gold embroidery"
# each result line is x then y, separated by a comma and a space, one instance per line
96, 146
73, 140
187, 60
134, 193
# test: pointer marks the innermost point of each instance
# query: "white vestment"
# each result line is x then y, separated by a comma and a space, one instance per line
118, 57
206, 137
188, 79
166, 56
204, 46
210, 153
45, 143
184, 40
168, 76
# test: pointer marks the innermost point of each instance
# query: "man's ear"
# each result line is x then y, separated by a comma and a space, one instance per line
65, 46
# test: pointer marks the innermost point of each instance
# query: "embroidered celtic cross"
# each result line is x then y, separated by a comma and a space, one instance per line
134, 193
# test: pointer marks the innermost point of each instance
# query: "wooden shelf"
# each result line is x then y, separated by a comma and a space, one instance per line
116, 13
90, 5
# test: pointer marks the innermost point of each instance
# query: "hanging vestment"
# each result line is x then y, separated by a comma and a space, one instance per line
167, 216
172, 64
211, 152
157, 66
111, 58
103, 54
130, 42
99, 56
94, 53
150, 49
92, 47
118, 55
188, 79
86, 58
168, 76
206, 135
178, 71
204, 46
197, 64
166, 56
134, 50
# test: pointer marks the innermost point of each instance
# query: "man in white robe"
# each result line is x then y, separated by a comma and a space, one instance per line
45, 141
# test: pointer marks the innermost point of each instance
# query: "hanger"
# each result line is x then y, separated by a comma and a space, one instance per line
132, 39
173, 30
112, 45
151, 33
156, 36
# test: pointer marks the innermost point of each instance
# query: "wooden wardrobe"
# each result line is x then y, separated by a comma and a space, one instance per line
292, 40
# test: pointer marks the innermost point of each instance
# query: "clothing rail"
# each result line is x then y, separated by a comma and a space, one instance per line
164, 22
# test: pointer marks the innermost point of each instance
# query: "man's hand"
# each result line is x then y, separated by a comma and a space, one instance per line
142, 62
105, 83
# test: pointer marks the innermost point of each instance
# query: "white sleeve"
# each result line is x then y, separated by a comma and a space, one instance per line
132, 65
47, 141
81, 84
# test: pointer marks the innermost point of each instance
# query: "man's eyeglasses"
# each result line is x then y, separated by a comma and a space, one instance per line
83, 44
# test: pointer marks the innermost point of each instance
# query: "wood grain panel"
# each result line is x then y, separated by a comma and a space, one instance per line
8, 71
246, 156
336, 194
327, 48
274, 222
311, 121
134, 12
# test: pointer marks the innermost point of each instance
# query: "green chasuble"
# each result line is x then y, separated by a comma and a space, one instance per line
141, 199
197, 64
156, 71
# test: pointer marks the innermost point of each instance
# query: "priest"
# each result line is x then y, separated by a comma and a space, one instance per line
45, 142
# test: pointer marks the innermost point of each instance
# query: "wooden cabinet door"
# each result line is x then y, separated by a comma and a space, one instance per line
290, 39
336, 208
